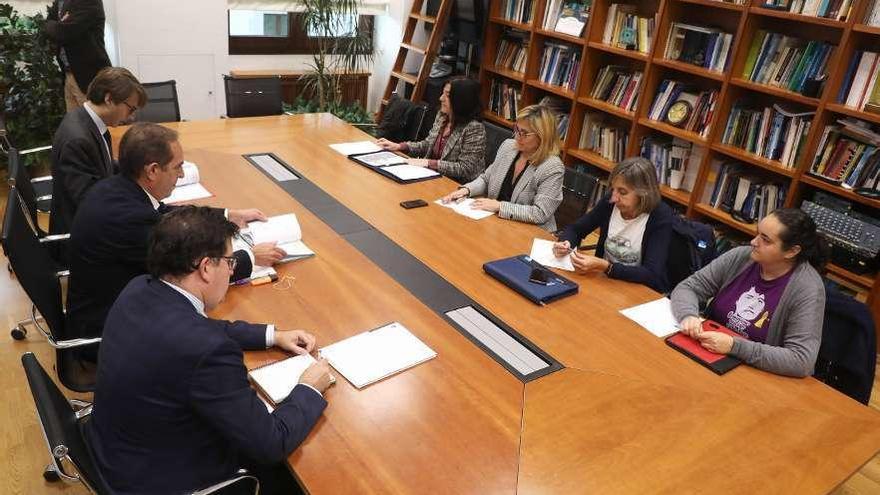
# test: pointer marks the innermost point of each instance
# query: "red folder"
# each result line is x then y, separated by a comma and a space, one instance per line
719, 363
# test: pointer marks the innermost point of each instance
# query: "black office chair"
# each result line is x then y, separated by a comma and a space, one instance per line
252, 97
63, 423
578, 188
36, 194
38, 275
495, 135
403, 120
162, 104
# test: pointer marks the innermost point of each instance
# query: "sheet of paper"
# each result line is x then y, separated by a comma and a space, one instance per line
542, 252
655, 317
189, 192
356, 147
370, 356
409, 172
382, 159
262, 271
190, 174
295, 250
281, 229
463, 207
278, 379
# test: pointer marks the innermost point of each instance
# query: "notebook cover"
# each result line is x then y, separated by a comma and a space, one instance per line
391, 176
514, 272
718, 363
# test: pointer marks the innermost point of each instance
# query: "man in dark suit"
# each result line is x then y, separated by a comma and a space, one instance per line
173, 409
77, 27
108, 240
82, 153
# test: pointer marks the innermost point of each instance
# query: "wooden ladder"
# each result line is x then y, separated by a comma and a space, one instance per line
428, 53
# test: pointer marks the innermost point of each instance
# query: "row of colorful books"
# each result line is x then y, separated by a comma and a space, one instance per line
624, 28
559, 65
512, 53
829, 9
671, 158
860, 88
698, 45
701, 106
618, 86
772, 132
747, 197
567, 16
849, 155
605, 140
504, 99
872, 15
517, 10
787, 62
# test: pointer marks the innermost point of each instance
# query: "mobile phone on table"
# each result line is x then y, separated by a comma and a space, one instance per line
413, 203
539, 276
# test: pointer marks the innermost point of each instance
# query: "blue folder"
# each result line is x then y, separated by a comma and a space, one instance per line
515, 272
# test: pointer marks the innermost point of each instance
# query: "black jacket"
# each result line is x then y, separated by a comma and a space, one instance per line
173, 410
82, 37
79, 160
108, 248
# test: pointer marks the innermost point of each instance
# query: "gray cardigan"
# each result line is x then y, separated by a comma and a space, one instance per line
464, 155
795, 328
537, 193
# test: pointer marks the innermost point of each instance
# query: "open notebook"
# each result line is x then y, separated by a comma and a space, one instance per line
463, 207
375, 354
283, 229
275, 381
188, 187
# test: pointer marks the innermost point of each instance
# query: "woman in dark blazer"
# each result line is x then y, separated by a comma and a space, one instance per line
524, 183
639, 223
456, 145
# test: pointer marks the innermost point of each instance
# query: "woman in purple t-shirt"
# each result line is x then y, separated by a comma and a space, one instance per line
769, 293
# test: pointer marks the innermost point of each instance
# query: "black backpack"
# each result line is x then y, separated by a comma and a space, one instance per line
691, 247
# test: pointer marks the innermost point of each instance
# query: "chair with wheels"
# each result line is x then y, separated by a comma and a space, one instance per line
162, 103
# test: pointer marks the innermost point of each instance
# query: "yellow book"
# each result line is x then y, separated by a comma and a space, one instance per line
643, 35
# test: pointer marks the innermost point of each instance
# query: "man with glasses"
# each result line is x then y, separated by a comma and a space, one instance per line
174, 411
82, 152
108, 239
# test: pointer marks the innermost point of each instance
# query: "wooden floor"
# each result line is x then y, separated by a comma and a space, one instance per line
22, 440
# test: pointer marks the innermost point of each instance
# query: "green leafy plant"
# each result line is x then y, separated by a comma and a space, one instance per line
352, 113
340, 48
31, 92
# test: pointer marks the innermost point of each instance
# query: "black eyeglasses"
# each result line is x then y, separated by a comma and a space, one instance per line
131, 109
230, 260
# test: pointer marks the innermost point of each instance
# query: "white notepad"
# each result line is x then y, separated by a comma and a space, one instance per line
356, 147
188, 187
542, 252
655, 317
278, 379
463, 207
282, 229
410, 172
373, 355
382, 159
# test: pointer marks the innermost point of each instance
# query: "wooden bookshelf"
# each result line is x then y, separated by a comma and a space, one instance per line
743, 22
497, 119
516, 76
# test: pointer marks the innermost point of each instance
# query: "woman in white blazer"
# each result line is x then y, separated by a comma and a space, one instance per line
524, 182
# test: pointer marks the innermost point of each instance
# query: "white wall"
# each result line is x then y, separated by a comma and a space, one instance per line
180, 39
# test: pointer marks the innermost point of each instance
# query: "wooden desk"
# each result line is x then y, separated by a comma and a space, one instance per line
627, 415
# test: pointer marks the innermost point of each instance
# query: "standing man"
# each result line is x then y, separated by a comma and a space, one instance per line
82, 152
174, 411
77, 26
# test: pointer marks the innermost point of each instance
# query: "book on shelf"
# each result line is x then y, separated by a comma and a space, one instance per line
567, 17
675, 160
603, 139
618, 86
559, 65
872, 14
746, 197
513, 50
773, 132
701, 105
561, 108
829, 9
517, 10
787, 62
624, 28
860, 88
504, 98
698, 45
848, 155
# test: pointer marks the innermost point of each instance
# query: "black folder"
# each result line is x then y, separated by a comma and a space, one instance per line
367, 160
516, 272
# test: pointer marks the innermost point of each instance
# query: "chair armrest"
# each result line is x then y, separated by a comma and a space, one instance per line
70, 344
54, 238
231, 485
81, 408
35, 150
43, 178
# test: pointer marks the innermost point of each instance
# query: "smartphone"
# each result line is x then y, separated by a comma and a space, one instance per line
413, 203
538, 276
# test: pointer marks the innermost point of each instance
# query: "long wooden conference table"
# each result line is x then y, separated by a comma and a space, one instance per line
624, 414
